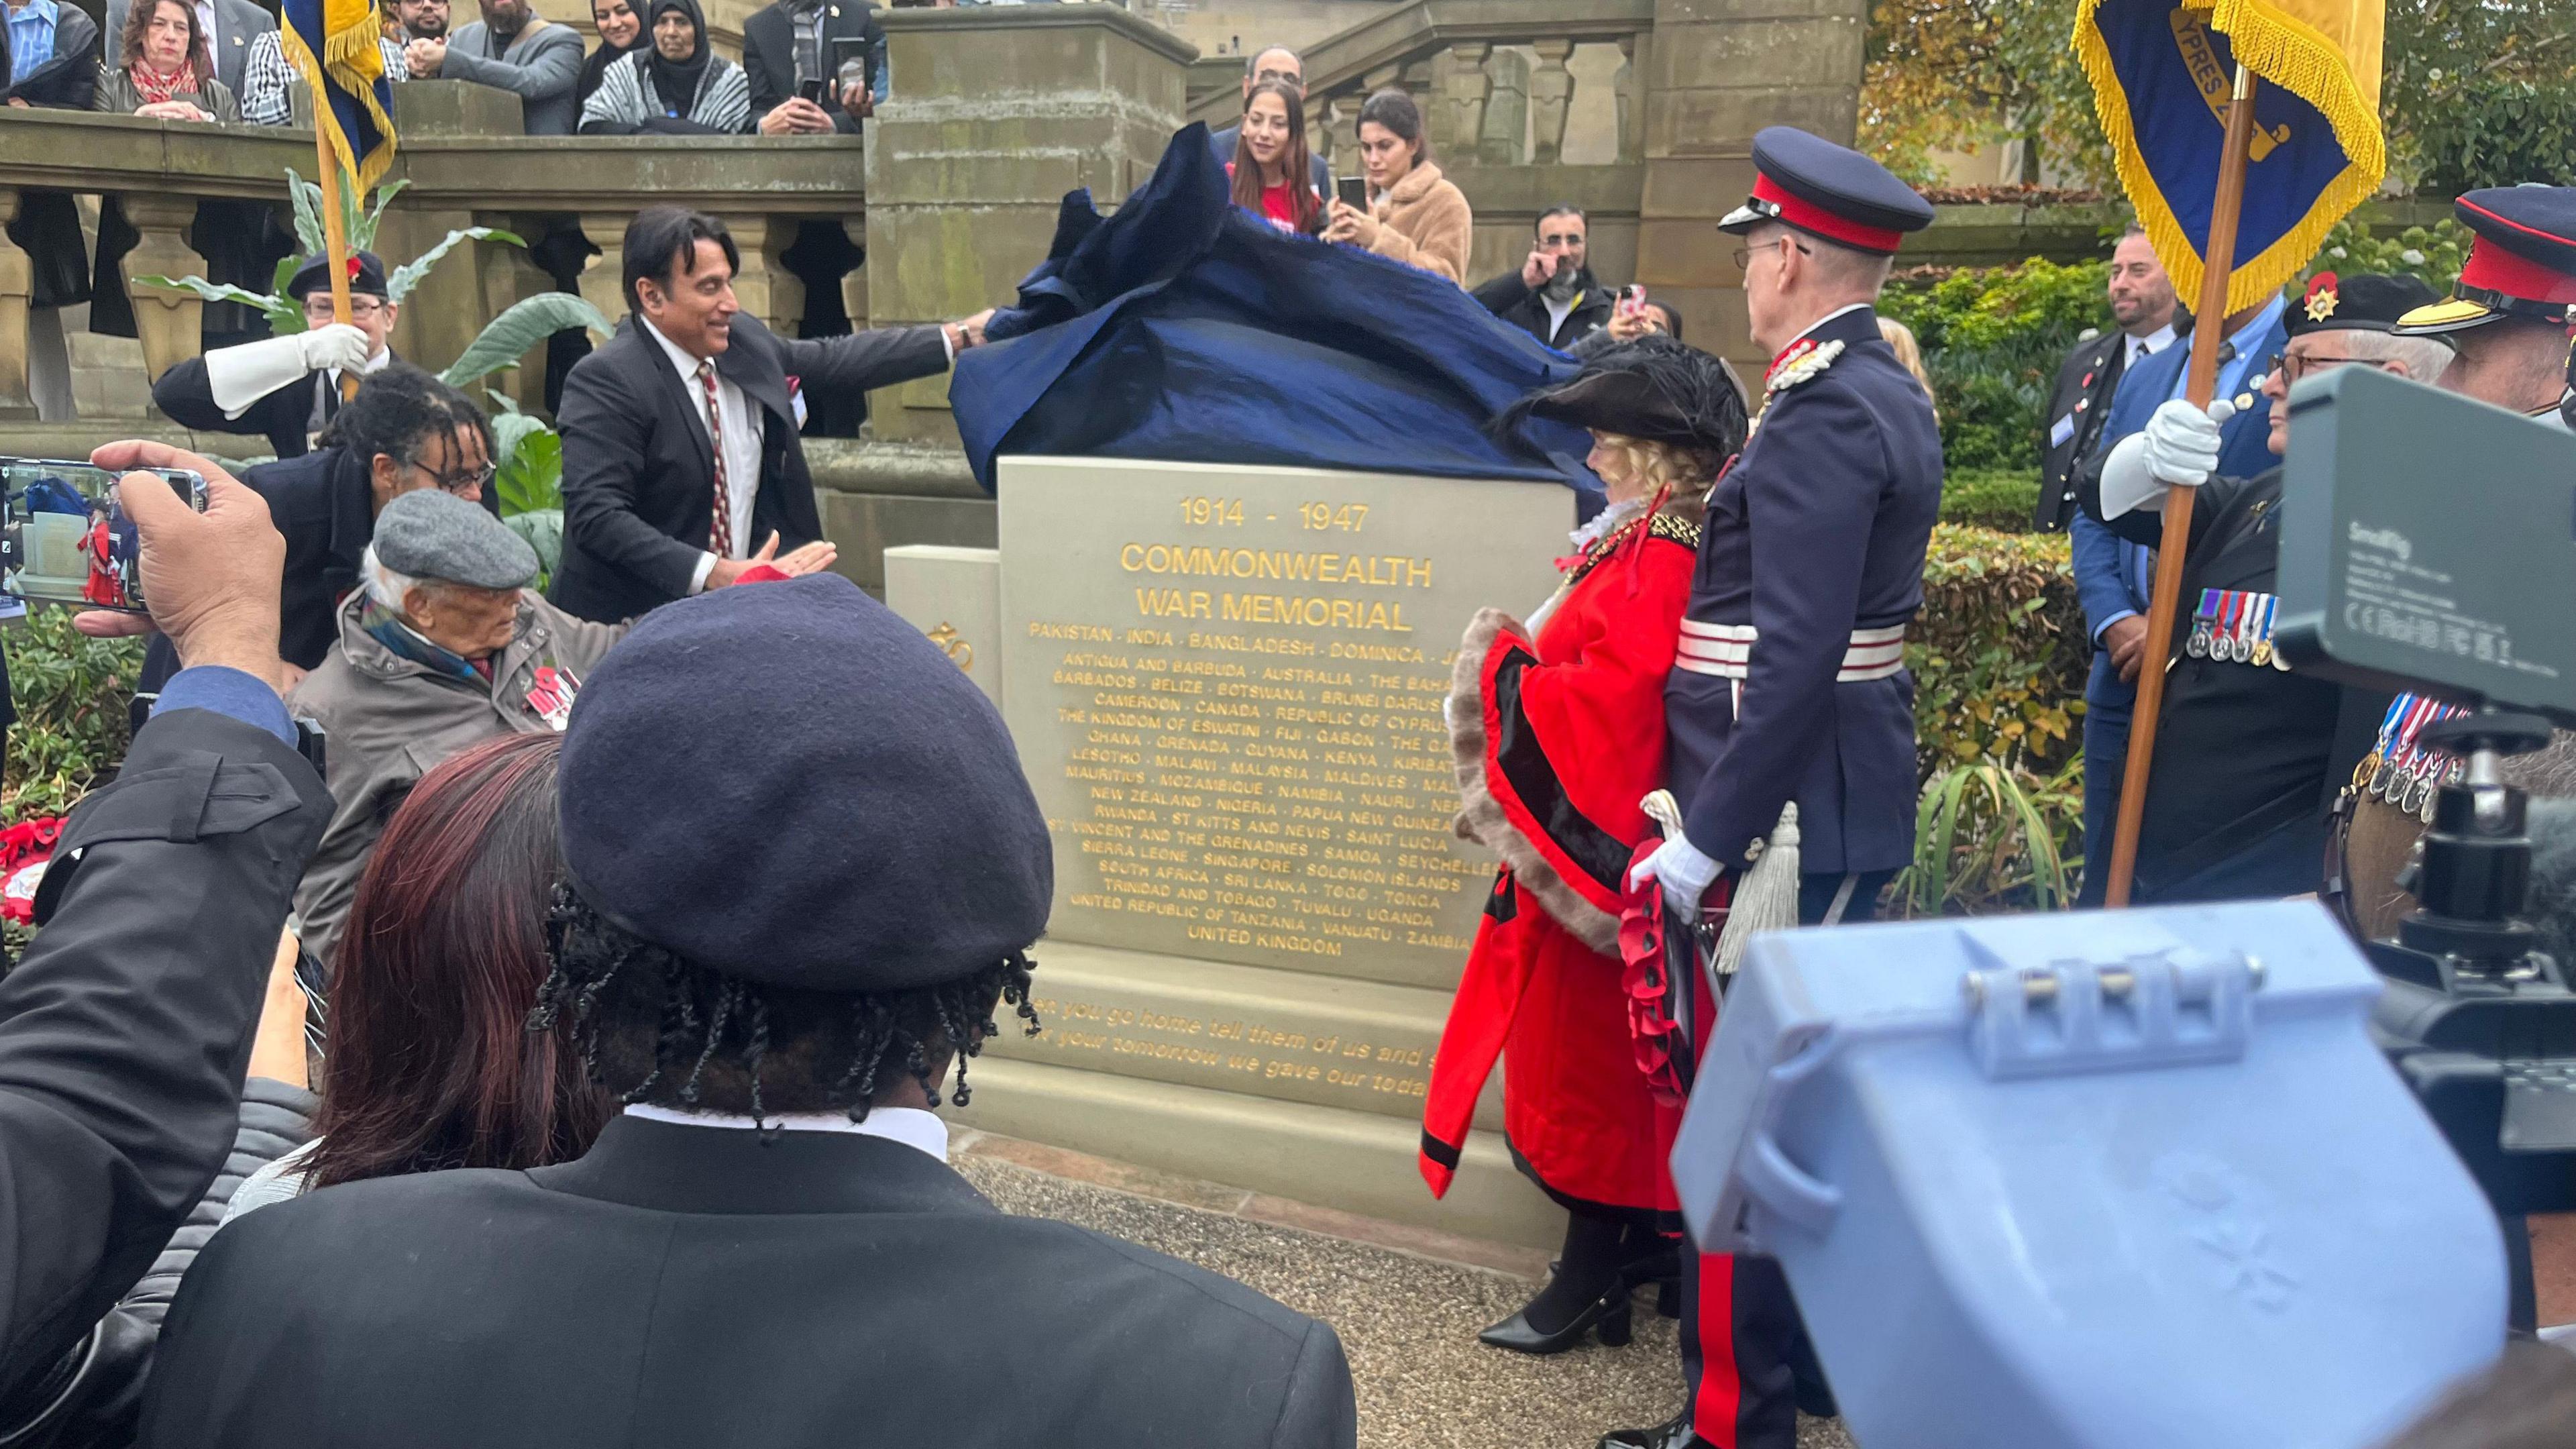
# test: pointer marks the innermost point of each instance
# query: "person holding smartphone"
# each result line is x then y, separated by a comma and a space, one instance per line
1554, 297
1415, 215
816, 66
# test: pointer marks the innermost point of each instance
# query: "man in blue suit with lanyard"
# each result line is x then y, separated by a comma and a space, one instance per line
1791, 682
2115, 577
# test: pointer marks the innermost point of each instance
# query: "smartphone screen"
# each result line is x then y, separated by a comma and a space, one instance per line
1352, 191
65, 540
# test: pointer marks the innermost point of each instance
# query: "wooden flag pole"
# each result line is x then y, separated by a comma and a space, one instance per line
335, 238
2207, 333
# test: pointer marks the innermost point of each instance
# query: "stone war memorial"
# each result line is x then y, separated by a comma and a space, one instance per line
1226, 684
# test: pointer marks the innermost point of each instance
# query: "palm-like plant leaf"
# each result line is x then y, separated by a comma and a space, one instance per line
543, 529
308, 213
529, 321
277, 309
410, 273
362, 228
530, 479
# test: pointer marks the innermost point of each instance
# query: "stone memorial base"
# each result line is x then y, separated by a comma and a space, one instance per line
1225, 683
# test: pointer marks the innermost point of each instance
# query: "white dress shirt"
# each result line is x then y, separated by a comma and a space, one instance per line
914, 1128
2149, 345
742, 425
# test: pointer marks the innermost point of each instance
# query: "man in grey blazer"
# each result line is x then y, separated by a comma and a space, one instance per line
682, 467
230, 26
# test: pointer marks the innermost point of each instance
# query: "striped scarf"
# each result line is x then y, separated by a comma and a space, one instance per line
387, 628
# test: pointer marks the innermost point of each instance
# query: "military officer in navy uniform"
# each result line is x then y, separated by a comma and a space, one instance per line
286, 388
2254, 829
1791, 683
2508, 315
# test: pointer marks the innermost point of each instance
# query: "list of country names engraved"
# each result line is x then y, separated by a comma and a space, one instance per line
1247, 684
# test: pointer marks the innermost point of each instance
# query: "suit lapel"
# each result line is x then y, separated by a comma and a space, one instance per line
677, 394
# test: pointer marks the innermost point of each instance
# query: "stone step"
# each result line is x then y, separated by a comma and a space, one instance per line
1328, 1041
1359, 1162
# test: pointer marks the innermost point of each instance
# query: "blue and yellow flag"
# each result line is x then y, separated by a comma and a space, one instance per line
332, 44
2163, 72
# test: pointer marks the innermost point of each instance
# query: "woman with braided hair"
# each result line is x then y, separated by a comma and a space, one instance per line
1558, 728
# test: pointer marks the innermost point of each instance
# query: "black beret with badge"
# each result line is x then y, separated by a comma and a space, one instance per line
1831, 191
366, 276
787, 782
2521, 263
2363, 302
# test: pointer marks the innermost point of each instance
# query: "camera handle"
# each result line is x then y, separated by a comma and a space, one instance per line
2476, 1017
2474, 874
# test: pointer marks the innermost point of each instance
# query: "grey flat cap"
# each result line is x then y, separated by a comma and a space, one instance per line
430, 534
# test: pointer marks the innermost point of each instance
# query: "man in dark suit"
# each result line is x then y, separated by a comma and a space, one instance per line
1554, 296
768, 1246
125, 1030
789, 43
1274, 63
681, 461
2143, 306
287, 388
2114, 576
1790, 685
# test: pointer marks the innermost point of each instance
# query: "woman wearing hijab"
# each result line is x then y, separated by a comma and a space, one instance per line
1557, 725
621, 33
676, 86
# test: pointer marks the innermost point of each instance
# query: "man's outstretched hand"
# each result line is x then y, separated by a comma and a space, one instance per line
211, 580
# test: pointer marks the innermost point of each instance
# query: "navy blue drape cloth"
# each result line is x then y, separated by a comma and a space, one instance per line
1184, 329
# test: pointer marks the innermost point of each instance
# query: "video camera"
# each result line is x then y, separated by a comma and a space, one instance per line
2428, 543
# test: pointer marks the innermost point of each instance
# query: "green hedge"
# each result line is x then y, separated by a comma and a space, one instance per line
1992, 339
2000, 499
71, 692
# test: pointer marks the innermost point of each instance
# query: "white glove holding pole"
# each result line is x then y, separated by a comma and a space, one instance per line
237, 377
1683, 872
2177, 449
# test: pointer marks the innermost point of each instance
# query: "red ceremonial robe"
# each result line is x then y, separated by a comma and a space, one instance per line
1558, 739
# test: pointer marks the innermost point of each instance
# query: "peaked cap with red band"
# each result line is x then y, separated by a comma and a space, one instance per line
2521, 264
1831, 191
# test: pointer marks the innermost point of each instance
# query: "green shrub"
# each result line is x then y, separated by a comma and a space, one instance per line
1999, 652
2486, 131
2001, 499
2433, 253
1992, 340
71, 691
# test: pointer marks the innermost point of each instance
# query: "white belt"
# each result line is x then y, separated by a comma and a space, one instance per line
1726, 649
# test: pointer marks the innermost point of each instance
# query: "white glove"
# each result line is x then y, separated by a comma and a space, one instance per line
2178, 449
333, 344
237, 377
1683, 872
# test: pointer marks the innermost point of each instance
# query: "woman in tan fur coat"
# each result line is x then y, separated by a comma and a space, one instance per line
1415, 214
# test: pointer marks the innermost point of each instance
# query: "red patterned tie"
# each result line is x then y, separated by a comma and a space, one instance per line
722, 534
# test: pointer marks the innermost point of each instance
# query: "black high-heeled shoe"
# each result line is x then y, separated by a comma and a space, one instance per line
1609, 1315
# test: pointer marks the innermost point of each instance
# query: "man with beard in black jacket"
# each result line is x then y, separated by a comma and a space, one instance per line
1553, 297
125, 1030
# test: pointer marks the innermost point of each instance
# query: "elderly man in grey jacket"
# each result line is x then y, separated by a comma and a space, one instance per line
444, 645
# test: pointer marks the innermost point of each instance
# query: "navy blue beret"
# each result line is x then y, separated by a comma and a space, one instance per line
1806, 181
787, 782
366, 276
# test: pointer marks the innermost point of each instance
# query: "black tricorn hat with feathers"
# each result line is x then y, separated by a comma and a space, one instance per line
1653, 388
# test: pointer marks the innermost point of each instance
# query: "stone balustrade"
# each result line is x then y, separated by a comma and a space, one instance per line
160, 170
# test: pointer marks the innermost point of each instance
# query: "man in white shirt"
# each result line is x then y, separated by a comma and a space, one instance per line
681, 461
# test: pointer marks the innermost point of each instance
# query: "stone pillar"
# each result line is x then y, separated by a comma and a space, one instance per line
1498, 140
1459, 125
603, 281
17, 283
1715, 74
1630, 81
167, 321
997, 112
764, 285
854, 285
1551, 95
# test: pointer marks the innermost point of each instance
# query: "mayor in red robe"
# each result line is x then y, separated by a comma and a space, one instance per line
1558, 728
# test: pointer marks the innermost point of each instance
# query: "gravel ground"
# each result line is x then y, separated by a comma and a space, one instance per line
1409, 1324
